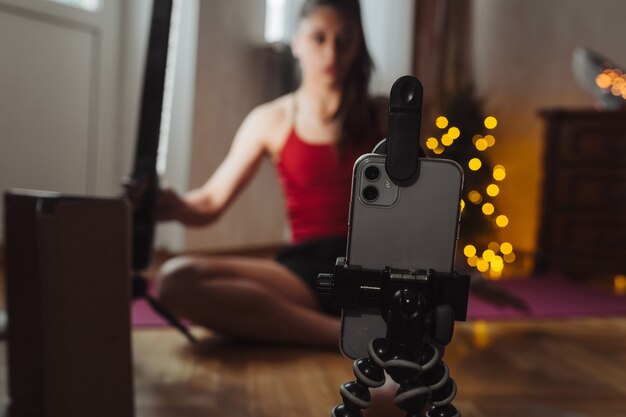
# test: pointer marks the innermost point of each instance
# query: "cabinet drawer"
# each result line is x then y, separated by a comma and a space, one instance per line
585, 142
602, 238
584, 267
601, 190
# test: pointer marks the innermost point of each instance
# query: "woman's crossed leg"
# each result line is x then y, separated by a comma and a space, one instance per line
246, 298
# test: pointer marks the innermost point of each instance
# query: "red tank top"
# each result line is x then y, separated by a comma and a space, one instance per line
316, 184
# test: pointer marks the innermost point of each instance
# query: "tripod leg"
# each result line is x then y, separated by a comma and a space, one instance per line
171, 318
437, 378
356, 397
355, 394
442, 401
140, 290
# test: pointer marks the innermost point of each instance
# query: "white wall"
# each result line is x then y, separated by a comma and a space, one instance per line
388, 27
233, 76
522, 56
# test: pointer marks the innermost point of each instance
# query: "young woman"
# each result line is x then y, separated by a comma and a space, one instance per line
313, 136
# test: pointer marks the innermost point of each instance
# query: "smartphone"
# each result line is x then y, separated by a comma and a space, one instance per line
414, 227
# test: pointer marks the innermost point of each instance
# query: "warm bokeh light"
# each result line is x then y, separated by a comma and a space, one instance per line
490, 261
502, 221
474, 164
619, 285
603, 81
441, 122
491, 122
495, 274
469, 250
509, 258
481, 144
612, 72
482, 265
493, 190
432, 143
616, 90
499, 173
488, 209
613, 80
506, 248
497, 264
475, 197
481, 334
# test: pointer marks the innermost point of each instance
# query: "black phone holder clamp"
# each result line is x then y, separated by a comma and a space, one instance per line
402, 144
420, 308
353, 287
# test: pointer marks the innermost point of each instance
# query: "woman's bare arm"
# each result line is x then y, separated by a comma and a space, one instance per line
205, 204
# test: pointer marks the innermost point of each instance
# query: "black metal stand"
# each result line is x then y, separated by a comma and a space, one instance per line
420, 308
140, 290
142, 187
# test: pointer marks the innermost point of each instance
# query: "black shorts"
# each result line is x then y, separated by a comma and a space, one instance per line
308, 259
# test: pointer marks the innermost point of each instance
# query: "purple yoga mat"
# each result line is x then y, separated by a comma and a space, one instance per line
550, 295
144, 316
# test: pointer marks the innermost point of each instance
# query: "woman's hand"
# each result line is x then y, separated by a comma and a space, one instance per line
205, 204
171, 206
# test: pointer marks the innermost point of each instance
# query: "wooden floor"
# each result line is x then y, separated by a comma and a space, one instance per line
564, 368
526, 368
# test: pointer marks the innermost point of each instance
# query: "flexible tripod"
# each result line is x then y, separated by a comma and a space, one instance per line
420, 308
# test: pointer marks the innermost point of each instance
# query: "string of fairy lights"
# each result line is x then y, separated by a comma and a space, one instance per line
490, 261
613, 80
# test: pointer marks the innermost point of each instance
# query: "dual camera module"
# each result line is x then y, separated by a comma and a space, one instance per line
370, 193
375, 187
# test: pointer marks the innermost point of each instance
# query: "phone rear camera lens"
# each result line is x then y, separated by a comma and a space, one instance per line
372, 173
370, 193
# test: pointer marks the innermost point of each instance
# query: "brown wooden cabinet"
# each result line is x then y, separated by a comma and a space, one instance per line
583, 211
